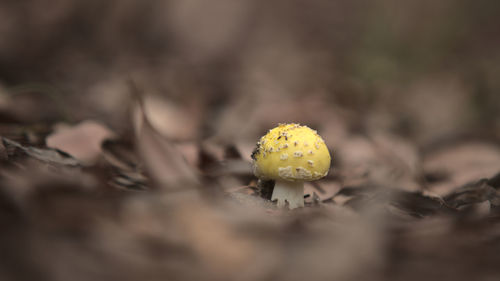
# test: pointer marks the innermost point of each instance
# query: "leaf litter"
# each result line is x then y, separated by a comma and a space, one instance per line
152, 180
179, 221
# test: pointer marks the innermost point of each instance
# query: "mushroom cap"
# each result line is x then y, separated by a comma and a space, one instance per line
291, 152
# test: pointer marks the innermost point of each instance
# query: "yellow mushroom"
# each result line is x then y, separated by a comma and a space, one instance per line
289, 161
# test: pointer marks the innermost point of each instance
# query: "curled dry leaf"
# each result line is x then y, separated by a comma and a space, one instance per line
190, 151
459, 164
50, 156
172, 120
119, 153
381, 159
83, 141
164, 162
324, 189
472, 193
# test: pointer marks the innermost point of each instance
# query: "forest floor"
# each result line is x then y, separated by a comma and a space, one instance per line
127, 128
83, 202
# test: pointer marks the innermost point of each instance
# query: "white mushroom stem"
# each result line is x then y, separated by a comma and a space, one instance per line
289, 191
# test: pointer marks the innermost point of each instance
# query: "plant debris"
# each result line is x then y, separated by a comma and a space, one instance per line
127, 132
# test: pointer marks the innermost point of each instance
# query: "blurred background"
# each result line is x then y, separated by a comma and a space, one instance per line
424, 70
404, 93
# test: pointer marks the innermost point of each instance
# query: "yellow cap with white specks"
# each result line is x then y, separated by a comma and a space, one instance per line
291, 152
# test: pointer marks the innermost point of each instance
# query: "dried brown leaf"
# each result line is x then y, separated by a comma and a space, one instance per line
460, 164
163, 160
83, 141
50, 156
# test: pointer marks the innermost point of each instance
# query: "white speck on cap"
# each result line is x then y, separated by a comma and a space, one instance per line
285, 172
303, 173
297, 154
